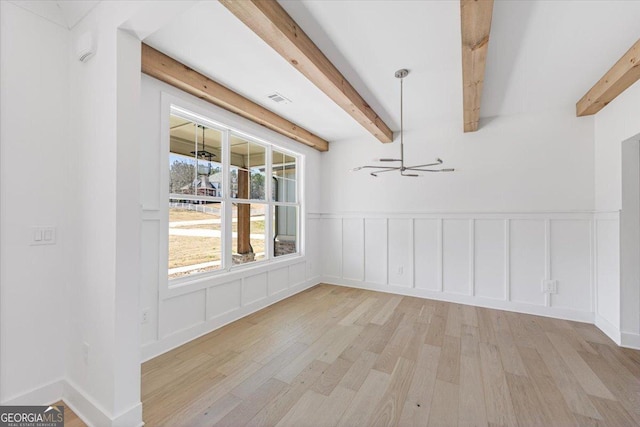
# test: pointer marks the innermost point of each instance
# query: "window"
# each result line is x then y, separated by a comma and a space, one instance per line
223, 210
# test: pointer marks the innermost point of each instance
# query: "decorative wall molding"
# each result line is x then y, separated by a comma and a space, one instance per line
489, 259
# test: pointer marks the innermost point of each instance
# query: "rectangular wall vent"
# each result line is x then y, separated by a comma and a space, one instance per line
280, 99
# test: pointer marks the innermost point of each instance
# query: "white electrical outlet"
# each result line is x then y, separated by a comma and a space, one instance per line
400, 271
550, 286
144, 316
85, 353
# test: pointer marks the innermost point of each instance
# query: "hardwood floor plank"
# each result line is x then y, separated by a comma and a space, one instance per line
390, 405
303, 412
358, 312
328, 413
289, 372
613, 412
573, 393
252, 404
265, 372
330, 378
357, 374
471, 409
212, 414
546, 388
454, 321
386, 311
444, 407
585, 376
273, 412
389, 356
525, 401
497, 396
449, 365
339, 343
366, 399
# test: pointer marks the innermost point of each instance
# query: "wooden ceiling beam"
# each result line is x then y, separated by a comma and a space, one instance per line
623, 74
475, 17
273, 24
164, 68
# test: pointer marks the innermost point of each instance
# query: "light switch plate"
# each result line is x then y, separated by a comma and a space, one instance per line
42, 236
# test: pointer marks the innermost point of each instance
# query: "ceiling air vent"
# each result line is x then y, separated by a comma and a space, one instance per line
280, 99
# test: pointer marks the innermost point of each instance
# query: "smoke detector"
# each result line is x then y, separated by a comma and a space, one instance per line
279, 98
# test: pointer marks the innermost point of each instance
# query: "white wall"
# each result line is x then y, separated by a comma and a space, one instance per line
36, 190
517, 210
616, 188
521, 163
180, 314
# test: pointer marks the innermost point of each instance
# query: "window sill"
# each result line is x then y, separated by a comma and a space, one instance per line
185, 285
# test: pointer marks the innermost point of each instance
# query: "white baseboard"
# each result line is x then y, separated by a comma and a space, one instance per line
93, 414
608, 328
179, 338
559, 313
44, 395
630, 340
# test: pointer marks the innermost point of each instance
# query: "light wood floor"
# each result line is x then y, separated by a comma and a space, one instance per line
338, 356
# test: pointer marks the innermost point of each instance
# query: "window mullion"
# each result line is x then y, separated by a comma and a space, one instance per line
227, 219
268, 216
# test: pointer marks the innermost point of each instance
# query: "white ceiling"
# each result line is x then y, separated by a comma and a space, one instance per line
65, 13
542, 55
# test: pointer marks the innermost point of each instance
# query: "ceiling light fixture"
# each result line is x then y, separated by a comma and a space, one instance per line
202, 153
404, 170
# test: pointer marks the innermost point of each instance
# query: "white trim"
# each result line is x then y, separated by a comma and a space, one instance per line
89, 410
608, 328
630, 340
43, 395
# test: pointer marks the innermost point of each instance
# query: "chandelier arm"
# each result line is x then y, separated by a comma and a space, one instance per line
383, 170
431, 170
379, 167
424, 166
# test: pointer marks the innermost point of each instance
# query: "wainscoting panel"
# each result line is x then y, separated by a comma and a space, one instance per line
332, 245
278, 280
375, 240
224, 298
254, 288
494, 260
400, 252
427, 254
607, 270
571, 264
455, 256
296, 274
353, 248
489, 253
182, 312
527, 260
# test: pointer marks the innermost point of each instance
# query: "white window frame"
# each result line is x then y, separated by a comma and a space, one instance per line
227, 125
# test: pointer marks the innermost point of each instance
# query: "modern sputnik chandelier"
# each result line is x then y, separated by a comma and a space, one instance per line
404, 170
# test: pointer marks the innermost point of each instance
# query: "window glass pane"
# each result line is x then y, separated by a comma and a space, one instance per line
195, 159
247, 172
284, 177
285, 230
195, 238
248, 232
